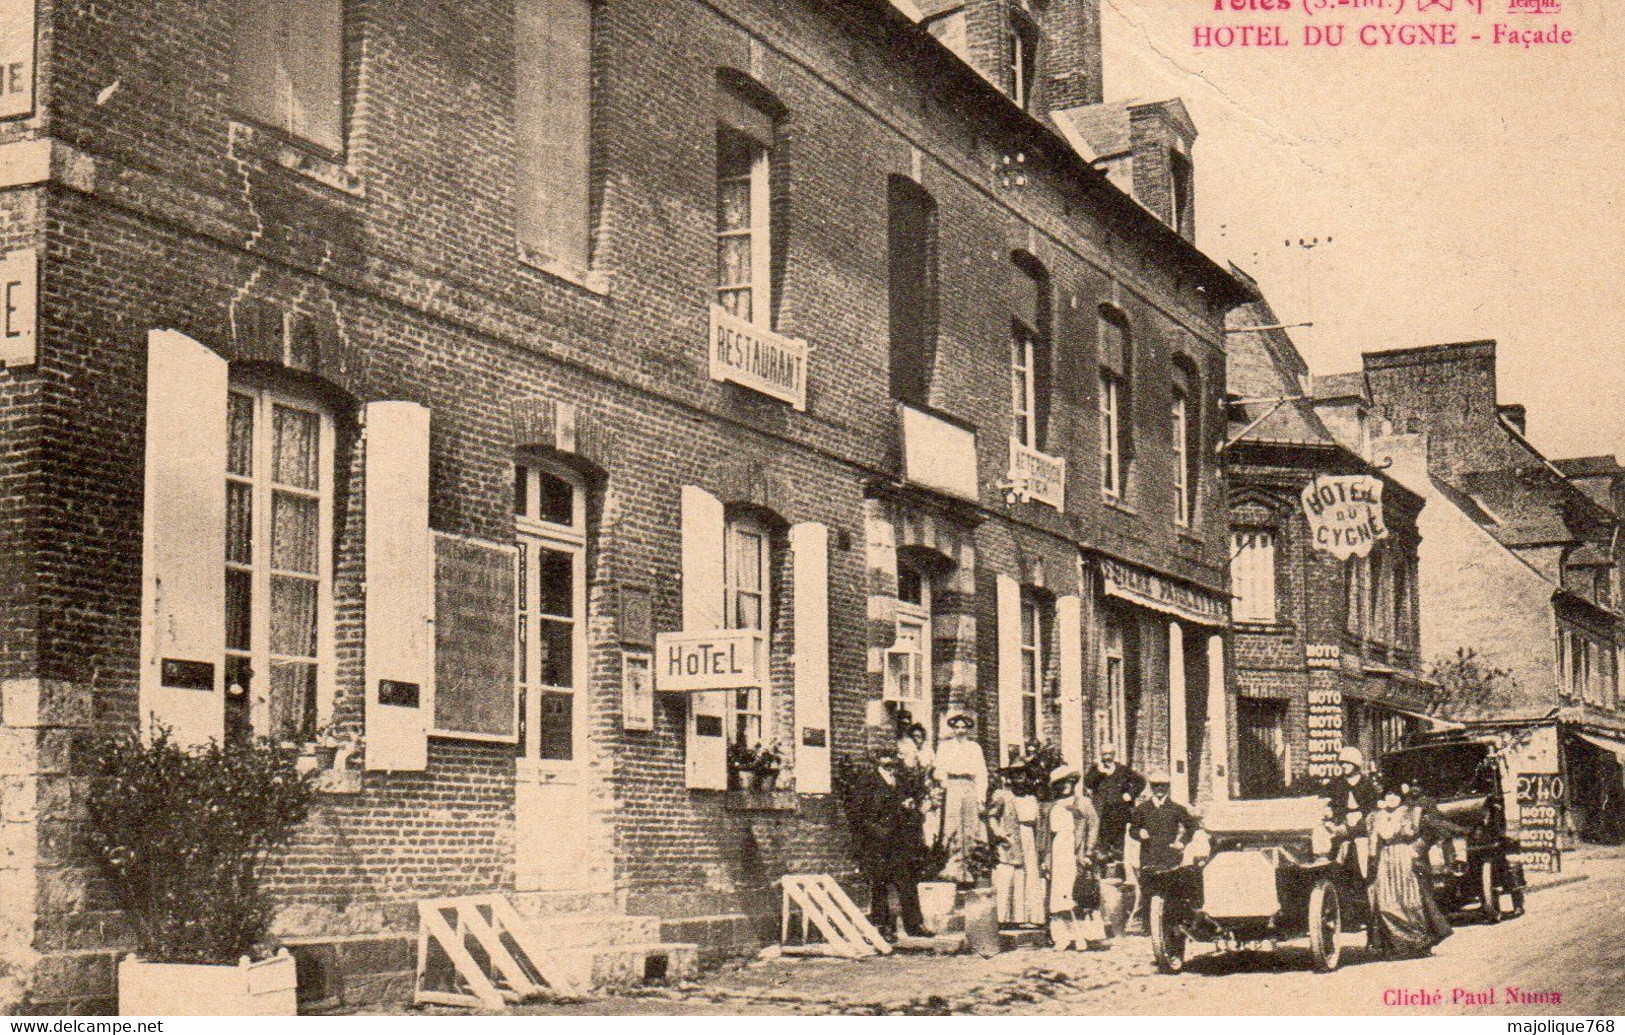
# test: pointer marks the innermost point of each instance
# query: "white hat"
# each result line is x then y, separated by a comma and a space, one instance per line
1060, 773
1351, 755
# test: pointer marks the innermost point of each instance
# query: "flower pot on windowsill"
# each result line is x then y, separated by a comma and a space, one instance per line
766, 782
264, 989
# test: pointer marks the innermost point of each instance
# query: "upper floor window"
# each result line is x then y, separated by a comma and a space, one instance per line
746, 568
279, 534
1184, 191
1185, 429
553, 120
1023, 62
744, 207
911, 245
287, 68
550, 603
1029, 353
1252, 575
1116, 363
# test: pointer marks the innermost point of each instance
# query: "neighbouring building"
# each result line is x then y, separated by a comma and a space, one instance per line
1520, 565
1325, 612
405, 384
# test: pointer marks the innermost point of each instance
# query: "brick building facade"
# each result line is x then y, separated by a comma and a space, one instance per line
400, 374
1520, 565
1325, 648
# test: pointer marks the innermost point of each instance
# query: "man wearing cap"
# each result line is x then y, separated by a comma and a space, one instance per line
1161, 825
962, 771
1113, 789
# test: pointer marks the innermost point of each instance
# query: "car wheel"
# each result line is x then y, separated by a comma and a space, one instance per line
1167, 938
1490, 895
1325, 921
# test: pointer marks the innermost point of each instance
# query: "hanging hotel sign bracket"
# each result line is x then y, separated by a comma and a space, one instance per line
1345, 514
714, 659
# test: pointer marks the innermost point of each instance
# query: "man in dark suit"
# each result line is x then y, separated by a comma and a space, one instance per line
1162, 826
1353, 798
1113, 789
890, 846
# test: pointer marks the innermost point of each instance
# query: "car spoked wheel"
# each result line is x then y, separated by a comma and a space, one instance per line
1325, 921
1167, 938
1491, 908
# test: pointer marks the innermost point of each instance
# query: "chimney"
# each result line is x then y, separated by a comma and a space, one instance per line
1516, 415
1072, 68
1145, 149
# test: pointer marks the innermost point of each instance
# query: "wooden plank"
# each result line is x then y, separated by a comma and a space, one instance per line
835, 925
541, 961
485, 932
850, 908
434, 922
810, 911
854, 932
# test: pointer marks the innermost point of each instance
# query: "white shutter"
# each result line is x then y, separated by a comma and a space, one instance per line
183, 579
1009, 605
400, 587
1069, 642
809, 546
707, 735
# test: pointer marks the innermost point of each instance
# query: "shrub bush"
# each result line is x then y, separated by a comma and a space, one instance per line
181, 834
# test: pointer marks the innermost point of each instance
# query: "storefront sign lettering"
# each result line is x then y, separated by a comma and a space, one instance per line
1139, 586
1539, 795
16, 58
1325, 732
19, 275
1037, 476
686, 662
755, 357
1345, 514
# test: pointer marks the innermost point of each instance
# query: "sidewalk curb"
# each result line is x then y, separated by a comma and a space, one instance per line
1558, 883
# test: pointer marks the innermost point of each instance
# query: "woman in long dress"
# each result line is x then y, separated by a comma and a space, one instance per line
961, 769
1074, 827
1405, 919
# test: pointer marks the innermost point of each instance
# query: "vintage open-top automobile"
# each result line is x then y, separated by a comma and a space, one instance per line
1271, 874
1272, 870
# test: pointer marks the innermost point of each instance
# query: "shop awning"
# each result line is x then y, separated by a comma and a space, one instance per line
1616, 747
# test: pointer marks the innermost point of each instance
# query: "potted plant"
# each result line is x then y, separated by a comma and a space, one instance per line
981, 912
180, 834
768, 764
742, 766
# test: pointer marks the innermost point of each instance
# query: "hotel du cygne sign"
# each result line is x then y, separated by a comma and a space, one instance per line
712, 659
1345, 514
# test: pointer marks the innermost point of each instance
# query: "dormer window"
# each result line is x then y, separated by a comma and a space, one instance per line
1023, 61
1184, 194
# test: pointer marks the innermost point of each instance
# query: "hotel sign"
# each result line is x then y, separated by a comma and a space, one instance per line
16, 58
1139, 586
1345, 514
717, 659
1037, 476
758, 359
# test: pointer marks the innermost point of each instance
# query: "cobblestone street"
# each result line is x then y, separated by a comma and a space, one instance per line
1565, 943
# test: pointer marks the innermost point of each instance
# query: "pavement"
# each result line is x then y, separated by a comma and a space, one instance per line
1567, 946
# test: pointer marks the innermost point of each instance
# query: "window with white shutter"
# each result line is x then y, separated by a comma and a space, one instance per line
553, 128
288, 67
1252, 575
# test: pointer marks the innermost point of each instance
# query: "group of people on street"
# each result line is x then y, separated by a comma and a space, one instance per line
1047, 837
1389, 832
1044, 834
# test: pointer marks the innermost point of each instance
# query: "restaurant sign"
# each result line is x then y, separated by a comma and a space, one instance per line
718, 659
1037, 476
1345, 514
755, 357
1139, 586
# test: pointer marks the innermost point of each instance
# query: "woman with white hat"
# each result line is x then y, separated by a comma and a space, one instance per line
1073, 828
962, 771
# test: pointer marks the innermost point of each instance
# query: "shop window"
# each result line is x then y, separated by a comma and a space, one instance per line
550, 602
747, 567
912, 256
278, 564
1111, 720
287, 67
1116, 377
1032, 668
553, 128
1261, 747
1252, 575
